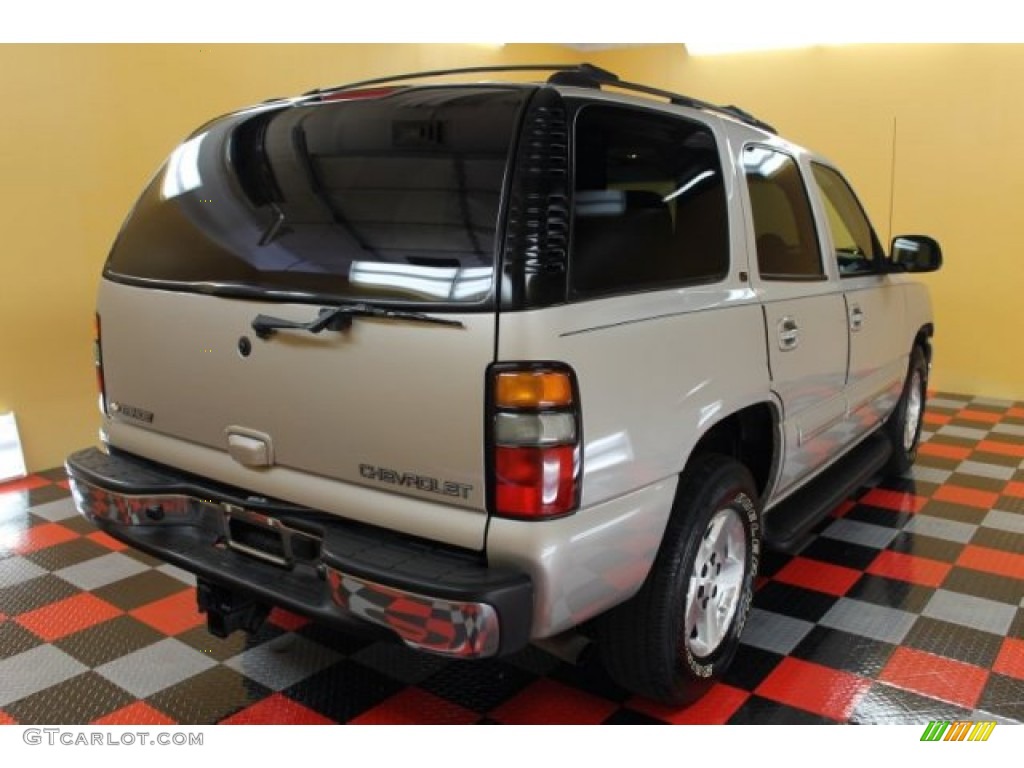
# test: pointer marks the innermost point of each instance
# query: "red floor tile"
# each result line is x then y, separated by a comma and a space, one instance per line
1014, 489
985, 417
42, 536
138, 713
277, 710
970, 497
547, 701
287, 620
896, 501
171, 615
65, 617
1003, 449
911, 568
65, 484
812, 687
414, 706
936, 419
943, 451
6, 719
819, 576
1016, 412
24, 484
935, 676
103, 539
995, 561
1011, 658
714, 708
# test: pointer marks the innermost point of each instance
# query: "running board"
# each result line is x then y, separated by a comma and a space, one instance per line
787, 525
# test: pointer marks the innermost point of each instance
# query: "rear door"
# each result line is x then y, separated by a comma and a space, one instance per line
381, 201
804, 313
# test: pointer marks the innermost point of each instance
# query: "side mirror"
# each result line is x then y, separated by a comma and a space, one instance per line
915, 253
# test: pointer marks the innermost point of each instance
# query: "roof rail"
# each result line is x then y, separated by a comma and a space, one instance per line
460, 71
578, 75
587, 76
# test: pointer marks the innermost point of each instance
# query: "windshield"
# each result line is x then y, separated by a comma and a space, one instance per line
392, 198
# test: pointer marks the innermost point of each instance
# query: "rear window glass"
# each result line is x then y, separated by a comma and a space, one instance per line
649, 207
387, 198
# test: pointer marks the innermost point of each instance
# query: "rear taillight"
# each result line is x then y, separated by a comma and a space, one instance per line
535, 440
97, 358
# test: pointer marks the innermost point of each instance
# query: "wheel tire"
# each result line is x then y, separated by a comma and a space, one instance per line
903, 428
671, 641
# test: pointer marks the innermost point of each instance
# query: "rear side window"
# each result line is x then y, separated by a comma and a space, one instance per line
392, 198
649, 205
787, 241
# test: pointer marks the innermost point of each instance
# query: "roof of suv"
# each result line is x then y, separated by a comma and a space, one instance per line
575, 75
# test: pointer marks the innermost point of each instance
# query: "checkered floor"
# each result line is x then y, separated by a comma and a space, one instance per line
907, 606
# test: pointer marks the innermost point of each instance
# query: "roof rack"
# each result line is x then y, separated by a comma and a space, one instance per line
578, 75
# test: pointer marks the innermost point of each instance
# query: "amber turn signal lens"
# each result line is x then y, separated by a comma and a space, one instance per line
532, 389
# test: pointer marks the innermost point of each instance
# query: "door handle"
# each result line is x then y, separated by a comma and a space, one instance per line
789, 334
856, 318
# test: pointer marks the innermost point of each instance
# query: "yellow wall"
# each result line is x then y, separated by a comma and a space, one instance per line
83, 127
959, 166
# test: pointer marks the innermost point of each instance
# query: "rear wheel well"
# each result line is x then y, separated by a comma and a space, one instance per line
747, 436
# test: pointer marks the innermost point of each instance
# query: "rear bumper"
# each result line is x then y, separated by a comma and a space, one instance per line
434, 598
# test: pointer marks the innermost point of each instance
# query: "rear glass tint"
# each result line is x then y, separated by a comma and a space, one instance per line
386, 198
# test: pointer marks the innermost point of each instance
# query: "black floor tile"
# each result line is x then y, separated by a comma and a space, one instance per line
926, 546
141, 589
1001, 459
750, 667
792, 601
891, 593
978, 483
69, 553
35, 593
47, 494
590, 677
344, 690
865, 513
631, 717
760, 711
844, 651
108, 640
954, 641
15, 639
841, 553
479, 686
1003, 696
77, 701
993, 538
987, 585
209, 697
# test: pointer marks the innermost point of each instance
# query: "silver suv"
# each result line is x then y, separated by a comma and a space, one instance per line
487, 364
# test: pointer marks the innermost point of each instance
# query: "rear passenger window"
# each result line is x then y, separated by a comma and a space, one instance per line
649, 203
787, 241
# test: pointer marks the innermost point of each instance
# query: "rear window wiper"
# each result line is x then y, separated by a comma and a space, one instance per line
340, 319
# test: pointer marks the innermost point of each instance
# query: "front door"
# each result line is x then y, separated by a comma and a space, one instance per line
804, 312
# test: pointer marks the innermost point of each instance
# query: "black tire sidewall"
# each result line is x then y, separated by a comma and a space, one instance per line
902, 459
730, 486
